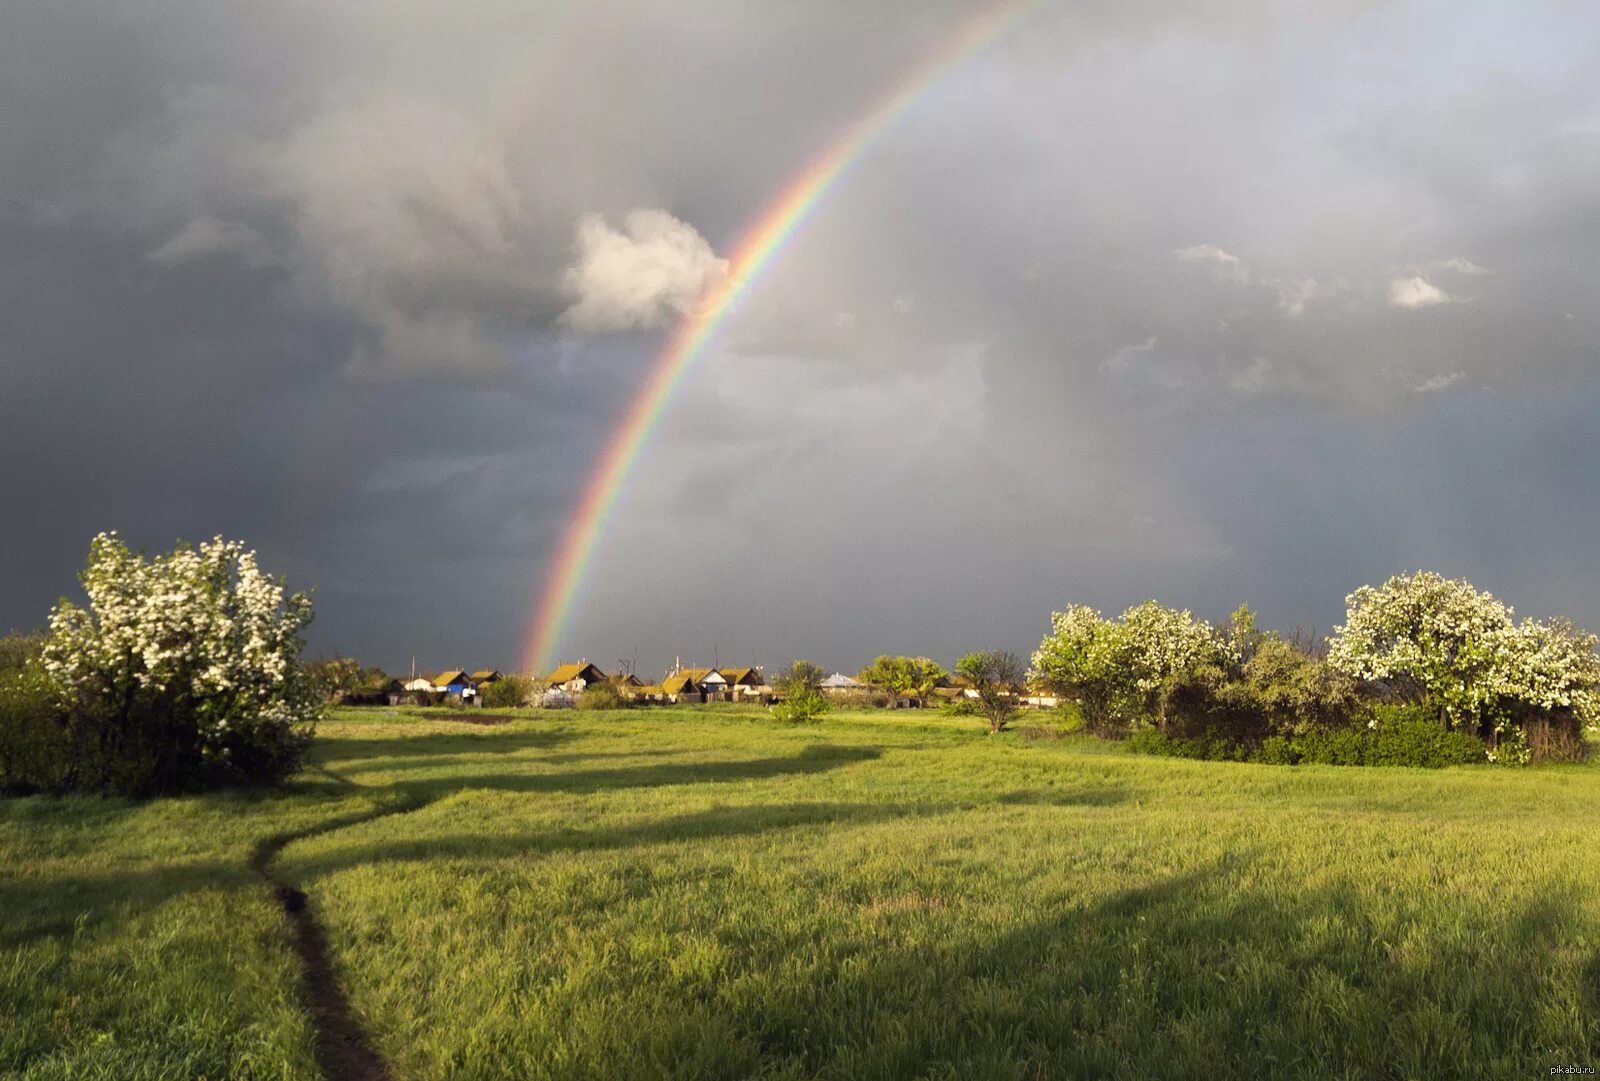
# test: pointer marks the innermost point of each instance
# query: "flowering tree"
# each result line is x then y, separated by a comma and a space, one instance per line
1442, 642
1081, 659
1126, 670
185, 668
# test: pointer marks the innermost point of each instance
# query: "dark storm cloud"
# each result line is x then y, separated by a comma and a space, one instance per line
1250, 304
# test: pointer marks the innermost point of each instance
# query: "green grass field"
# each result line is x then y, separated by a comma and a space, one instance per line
707, 894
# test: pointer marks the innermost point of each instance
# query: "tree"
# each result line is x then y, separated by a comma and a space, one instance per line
800, 684
995, 675
1144, 667
912, 677
509, 692
1441, 642
1081, 659
183, 672
336, 676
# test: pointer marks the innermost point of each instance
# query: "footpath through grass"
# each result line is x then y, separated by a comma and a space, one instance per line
705, 894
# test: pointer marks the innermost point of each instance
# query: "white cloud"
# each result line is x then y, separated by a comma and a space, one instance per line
1439, 382
655, 266
845, 320
1225, 263
1295, 295
1460, 265
205, 236
1416, 292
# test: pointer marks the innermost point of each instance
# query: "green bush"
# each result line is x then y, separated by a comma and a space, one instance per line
1209, 747
35, 751
508, 692
807, 705
602, 696
1277, 751
1330, 747
1407, 736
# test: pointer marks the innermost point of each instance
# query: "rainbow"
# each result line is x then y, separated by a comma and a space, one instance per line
753, 253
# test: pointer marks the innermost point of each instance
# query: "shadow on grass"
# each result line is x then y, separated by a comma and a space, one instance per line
715, 824
333, 749
1191, 976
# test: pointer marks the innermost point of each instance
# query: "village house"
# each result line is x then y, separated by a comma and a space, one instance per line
841, 682
681, 687
457, 684
571, 679
743, 682
484, 676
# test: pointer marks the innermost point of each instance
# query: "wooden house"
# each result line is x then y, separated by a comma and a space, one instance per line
573, 678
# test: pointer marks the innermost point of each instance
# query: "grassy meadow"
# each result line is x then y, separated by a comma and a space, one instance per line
707, 894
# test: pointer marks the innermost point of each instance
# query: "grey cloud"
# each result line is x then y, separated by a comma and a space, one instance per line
297, 273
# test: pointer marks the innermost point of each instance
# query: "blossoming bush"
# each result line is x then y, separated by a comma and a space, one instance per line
182, 673
1441, 643
1152, 665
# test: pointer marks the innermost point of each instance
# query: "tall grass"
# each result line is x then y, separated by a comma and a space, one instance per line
706, 894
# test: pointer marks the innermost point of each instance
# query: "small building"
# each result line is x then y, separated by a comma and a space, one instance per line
841, 682
573, 678
681, 687
419, 683
743, 682
457, 684
487, 675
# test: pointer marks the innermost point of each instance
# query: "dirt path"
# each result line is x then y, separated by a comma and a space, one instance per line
343, 1049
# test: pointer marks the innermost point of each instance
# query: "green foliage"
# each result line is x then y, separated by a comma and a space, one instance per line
18, 650
802, 707
335, 676
799, 678
509, 692
602, 696
1401, 736
912, 677
1277, 751
996, 676
802, 700
36, 748
1330, 747
1211, 748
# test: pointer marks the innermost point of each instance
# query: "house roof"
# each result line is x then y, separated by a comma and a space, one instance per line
839, 679
739, 675
486, 675
455, 675
646, 688
679, 683
567, 672
696, 674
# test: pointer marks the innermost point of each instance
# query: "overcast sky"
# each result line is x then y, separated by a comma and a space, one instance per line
1256, 305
